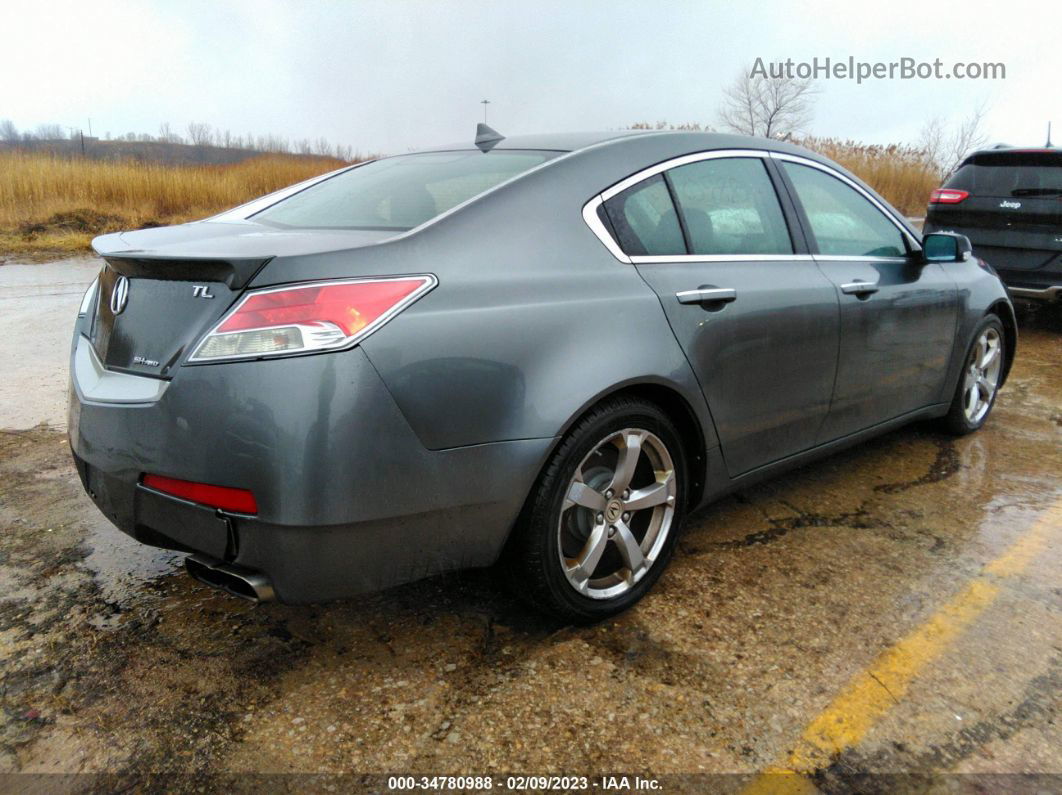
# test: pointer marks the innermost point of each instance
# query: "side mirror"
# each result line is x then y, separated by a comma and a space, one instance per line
946, 247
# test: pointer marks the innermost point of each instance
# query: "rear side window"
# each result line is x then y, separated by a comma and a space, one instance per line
645, 220
842, 220
399, 193
729, 206
1010, 174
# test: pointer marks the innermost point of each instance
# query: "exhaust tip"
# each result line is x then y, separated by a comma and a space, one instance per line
247, 584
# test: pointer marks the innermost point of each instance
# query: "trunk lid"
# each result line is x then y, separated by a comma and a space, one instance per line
162, 289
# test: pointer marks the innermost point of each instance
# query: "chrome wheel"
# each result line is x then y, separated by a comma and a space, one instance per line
616, 514
982, 375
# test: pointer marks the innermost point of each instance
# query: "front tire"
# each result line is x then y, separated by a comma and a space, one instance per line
979, 380
601, 522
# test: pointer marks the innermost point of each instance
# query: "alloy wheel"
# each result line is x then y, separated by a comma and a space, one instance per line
982, 375
617, 513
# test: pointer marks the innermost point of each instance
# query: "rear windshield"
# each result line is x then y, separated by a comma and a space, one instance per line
1010, 174
399, 193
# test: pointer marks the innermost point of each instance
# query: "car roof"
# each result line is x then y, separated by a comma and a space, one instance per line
1013, 150
556, 142
575, 141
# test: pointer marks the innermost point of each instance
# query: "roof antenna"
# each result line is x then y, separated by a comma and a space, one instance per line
487, 138
1049, 144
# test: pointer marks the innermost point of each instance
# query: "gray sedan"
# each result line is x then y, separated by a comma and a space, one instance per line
538, 352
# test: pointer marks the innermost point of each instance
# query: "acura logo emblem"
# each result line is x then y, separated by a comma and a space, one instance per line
119, 295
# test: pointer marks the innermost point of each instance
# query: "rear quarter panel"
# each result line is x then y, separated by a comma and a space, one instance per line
530, 324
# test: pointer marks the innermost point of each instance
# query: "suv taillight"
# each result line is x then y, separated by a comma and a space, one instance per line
310, 317
948, 196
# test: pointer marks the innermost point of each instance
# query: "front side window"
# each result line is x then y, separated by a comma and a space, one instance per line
729, 206
399, 193
645, 220
842, 220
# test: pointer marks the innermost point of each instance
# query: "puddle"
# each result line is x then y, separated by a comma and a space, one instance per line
122, 566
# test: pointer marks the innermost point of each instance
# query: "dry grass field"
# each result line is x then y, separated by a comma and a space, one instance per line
901, 174
50, 203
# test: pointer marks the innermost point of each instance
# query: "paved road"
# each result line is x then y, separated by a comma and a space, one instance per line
38, 304
896, 609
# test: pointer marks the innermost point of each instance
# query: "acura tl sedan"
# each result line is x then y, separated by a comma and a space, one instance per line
541, 352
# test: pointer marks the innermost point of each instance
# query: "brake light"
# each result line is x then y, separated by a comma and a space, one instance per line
316, 316
235, 500
948, 196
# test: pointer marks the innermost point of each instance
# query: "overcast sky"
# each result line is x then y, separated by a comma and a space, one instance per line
399, 74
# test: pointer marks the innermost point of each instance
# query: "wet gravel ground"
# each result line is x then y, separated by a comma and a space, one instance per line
114, 662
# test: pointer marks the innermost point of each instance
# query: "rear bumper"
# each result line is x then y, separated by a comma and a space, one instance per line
1051, 293
1030, 265
1043, 281
349, 499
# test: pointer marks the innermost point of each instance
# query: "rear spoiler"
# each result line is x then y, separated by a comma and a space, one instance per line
235, 273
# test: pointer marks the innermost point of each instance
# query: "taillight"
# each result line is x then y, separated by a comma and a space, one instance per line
315, 316
948, 196
223, 497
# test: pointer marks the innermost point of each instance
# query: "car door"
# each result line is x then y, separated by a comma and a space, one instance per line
754, 314
898, 313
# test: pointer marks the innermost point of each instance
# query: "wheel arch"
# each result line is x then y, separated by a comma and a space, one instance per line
692, 429
1005, 312
696, 431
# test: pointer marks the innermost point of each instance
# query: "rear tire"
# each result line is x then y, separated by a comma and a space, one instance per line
599, 526
978, 386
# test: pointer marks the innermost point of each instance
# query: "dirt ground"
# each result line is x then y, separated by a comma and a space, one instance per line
780, 601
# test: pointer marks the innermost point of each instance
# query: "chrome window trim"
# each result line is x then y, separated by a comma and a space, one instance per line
858, 258
683, 160
804, 161
608, 241
592, 220
651, 259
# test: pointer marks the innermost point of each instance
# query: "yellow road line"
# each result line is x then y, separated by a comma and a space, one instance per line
871, 693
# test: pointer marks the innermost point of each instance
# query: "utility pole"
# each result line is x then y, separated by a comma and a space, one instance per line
484, 103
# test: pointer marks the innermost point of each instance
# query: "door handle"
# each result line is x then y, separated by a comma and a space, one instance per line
859, 288
707, 295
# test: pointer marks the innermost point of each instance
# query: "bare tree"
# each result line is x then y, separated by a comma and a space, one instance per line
8, 131
770, 107
167, 135
322, 147
199, 133
48, 132
945, 147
